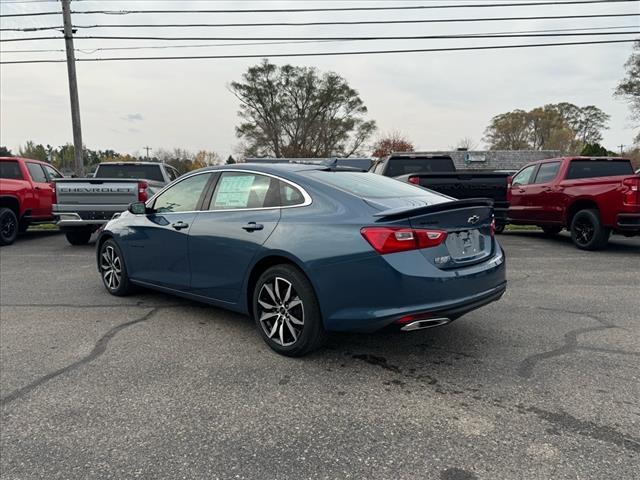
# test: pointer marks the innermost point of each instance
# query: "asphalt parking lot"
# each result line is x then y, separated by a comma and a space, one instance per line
543, 384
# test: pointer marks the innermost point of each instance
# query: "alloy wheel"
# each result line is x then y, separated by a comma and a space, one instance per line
584, 231
8, 226
111, 267
280, 311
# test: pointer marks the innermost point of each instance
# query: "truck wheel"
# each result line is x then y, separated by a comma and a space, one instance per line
550, 231
8, 226
113, 270
587, 232
78, 236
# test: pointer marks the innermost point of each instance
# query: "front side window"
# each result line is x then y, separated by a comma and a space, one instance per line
547, 172
525, 176
183, 196
36, 172
52, 172
10, 170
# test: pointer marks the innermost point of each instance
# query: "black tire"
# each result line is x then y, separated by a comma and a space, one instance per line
113, 270
587, 231
80, 236
8, 226
279, 325
500, 228
551, 231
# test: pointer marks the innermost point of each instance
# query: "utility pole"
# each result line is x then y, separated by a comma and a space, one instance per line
147, 149
73, 87
621, 149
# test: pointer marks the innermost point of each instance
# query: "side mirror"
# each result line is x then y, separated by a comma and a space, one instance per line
137, 208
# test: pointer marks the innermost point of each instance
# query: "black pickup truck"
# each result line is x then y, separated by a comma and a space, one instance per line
439, 173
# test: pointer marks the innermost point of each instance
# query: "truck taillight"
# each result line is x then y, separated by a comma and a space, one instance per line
399, 239
143, 196
414, 180
632, 191
509, 182
54, 195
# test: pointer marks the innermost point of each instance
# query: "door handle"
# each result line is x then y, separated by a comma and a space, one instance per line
180, 225
253, 226
521, 190
547, 189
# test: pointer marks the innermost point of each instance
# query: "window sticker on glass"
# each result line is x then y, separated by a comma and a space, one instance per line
233, 191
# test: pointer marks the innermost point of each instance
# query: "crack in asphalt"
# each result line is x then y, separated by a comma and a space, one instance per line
99, 348
526, 367
588, 429
610, 350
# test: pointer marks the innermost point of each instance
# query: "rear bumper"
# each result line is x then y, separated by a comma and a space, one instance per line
85, 215
628, 222
369, 295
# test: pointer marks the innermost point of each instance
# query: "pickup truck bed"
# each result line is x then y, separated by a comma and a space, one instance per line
439, 173
84, 204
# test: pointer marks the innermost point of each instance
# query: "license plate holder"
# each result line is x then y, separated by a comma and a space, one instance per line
465, 244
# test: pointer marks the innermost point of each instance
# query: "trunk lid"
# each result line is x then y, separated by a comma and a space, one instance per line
468, 224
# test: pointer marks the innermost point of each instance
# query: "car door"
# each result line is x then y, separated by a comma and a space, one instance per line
543, 197
519, 203
156, 244
43, 191
243, 212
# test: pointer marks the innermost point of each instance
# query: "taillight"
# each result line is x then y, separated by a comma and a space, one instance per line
54, 195
400, 239
632, 192
414, 180
492, 228
143, 196
509, 182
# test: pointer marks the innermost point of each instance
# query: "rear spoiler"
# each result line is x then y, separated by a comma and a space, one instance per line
439, 207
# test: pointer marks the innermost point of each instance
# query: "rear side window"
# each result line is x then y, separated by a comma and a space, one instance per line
52, 172
144, 172
245, 190
10, 170
36, 172
598, 168
525, 176
547, 172
370, 185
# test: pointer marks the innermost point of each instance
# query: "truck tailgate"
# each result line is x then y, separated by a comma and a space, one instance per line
83, 191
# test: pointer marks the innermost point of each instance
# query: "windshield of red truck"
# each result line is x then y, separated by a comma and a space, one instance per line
144, 172
406, 166
598, 168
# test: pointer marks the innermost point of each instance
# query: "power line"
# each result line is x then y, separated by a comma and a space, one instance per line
310, 24
359, 38
327, 54
153, 47
324, 9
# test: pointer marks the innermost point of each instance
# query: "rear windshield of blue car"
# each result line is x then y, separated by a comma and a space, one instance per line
370, 185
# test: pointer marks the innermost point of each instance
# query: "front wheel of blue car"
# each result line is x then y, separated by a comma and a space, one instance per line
287, 312
113, 269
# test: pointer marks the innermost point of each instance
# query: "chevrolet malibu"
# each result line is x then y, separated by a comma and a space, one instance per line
308, 249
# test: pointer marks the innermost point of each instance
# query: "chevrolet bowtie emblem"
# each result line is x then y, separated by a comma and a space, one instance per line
473, 220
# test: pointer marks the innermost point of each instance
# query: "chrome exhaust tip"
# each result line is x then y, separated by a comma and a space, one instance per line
427, 323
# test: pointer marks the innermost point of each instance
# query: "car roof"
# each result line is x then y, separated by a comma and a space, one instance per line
24, 159
274, 168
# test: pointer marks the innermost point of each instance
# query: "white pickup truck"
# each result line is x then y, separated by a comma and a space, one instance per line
82, 205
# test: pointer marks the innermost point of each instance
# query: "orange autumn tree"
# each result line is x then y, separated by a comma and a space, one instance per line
390, 143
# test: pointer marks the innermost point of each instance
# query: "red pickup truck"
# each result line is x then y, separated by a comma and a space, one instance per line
26, 195
591, 197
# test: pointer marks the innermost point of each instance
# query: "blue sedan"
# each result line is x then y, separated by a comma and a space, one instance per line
308, 249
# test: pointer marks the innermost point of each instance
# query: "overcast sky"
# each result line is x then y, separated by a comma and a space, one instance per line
434, 98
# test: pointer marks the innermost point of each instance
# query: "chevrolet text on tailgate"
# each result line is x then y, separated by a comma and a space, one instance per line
85, 204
